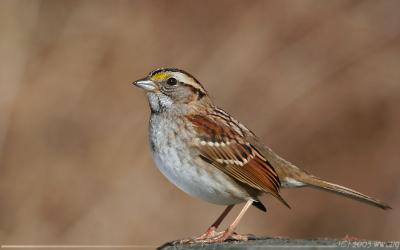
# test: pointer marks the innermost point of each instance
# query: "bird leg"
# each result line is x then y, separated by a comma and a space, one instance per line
230, 231
211, 231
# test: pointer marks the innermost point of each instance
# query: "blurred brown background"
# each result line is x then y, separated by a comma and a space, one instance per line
318, 81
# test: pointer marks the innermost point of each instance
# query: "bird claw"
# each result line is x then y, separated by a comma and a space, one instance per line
211, 236
210, 233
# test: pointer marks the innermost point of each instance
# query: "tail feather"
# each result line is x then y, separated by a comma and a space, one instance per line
292, 176
344, 191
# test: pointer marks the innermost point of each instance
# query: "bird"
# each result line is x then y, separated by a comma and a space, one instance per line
210, 155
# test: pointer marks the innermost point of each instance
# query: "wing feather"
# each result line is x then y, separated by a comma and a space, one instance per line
221, 142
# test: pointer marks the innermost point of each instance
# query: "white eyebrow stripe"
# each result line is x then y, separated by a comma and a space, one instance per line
187, 80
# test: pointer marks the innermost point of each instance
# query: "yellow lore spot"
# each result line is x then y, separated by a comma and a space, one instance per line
160, 76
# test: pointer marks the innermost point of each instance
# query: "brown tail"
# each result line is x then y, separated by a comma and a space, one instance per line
315, 182
292, 176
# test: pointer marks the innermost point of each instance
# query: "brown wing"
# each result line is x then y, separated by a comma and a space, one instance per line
221, 142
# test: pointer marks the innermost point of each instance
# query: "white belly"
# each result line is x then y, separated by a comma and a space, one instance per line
191, 174
214, 187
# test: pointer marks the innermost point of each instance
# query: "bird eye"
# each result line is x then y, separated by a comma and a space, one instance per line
172, 81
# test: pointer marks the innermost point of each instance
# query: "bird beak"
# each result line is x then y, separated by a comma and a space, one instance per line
145, 84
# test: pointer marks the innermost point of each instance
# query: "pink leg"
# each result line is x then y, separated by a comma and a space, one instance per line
230, 230
211, 231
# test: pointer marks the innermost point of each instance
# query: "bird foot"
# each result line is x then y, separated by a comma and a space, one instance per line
225, 235
210, 233
211, 236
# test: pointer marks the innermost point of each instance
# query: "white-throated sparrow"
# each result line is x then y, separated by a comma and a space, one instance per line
210, 155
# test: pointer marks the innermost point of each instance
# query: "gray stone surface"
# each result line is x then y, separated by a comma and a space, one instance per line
286, 243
